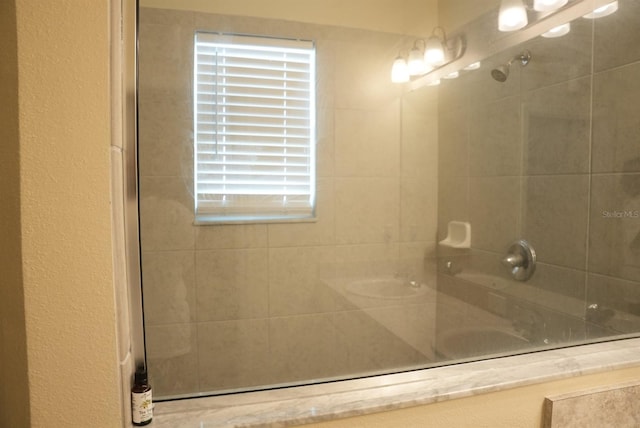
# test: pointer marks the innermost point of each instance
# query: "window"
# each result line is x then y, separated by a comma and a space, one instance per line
254, 123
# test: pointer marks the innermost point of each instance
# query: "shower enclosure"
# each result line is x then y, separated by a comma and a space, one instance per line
421, 194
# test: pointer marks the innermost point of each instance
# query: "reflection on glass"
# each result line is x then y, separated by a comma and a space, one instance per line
366, 289
513, 15
400, 71
548, 5
473, 66
603, 11
559, 31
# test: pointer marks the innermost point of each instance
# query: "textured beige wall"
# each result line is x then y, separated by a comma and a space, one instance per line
64, 138
515, 408
14, 391
392, 16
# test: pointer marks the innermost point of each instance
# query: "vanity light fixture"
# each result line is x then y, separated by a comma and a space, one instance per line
434, 51
513, 15
603, 11
400, 71
558, 31
416, 62
438, 51
548, 5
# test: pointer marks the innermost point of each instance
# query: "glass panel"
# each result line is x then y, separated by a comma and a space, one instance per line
429, 199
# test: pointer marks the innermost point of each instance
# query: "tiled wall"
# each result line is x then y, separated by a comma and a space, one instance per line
542, 156
238, 306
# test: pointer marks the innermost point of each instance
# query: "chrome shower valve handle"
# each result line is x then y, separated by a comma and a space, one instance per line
520, 260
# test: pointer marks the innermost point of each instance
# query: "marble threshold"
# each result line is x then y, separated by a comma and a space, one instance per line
321, 402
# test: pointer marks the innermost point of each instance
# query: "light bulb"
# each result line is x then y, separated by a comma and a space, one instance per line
558, 31
605, 10
548, 5
416, 62
513, 15
434, 52
400, 71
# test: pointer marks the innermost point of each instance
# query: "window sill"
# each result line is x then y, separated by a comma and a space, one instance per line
316, 403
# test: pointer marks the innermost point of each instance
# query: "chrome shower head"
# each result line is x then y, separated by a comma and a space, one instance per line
501, 73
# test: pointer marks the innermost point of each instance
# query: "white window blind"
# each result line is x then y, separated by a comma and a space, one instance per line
254, 114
